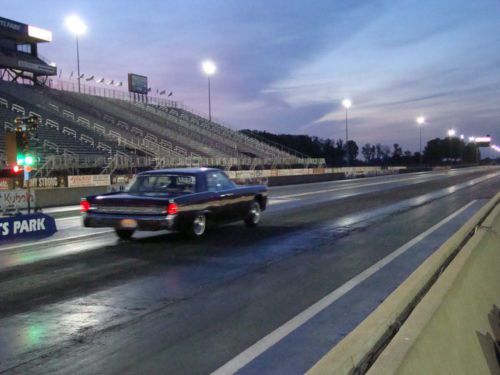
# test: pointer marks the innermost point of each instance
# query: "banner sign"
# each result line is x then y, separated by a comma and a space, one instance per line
5, 183
27, 226
43, 182
89, 180
16, 198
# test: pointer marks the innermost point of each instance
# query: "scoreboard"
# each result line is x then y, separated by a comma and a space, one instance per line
137, 84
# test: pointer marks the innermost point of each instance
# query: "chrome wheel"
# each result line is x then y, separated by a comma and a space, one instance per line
199, 225
253, 217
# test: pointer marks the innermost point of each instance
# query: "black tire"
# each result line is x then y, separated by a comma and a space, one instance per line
124, 234
253, 217
198, 226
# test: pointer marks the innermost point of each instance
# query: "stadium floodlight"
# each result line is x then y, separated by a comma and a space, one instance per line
462, 137
452, 132
209, 68
420, 122
77, 27
472, 139
347, 103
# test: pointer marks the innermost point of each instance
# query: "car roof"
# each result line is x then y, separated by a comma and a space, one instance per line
179, 171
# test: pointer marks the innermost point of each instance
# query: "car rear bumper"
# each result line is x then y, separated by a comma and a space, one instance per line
145, 222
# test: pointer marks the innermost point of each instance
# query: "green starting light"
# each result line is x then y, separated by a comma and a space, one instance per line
25, 159
20, 159
29, 160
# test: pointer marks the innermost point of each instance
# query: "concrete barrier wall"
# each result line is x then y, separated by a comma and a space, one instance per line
457, 324
355, 351
304, 179
65, 196
350, 172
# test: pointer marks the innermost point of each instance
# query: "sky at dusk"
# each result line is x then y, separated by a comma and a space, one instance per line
285, 66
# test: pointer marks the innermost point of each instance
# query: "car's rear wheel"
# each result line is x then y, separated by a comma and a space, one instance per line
253, 217
124, 234
198, 226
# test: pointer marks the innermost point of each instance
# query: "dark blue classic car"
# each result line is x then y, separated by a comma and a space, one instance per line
175, 199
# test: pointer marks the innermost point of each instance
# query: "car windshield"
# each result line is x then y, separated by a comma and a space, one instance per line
169, 183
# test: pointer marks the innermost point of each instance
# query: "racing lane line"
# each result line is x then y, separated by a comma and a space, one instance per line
248, 355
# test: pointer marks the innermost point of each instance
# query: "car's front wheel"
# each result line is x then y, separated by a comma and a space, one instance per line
124, 234
253, 217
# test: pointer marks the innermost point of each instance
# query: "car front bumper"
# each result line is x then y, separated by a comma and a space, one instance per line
143, 222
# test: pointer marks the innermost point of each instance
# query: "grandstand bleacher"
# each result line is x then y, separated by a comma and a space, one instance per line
119, 134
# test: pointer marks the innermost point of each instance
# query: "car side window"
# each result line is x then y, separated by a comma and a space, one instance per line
224, 181
217, 181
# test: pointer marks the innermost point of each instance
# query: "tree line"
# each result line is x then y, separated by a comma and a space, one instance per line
336, 152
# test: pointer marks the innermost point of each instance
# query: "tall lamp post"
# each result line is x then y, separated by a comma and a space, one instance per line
77, 27
209, 69
347, 103
420, 122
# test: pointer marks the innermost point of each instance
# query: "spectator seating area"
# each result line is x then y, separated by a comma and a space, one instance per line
86, 125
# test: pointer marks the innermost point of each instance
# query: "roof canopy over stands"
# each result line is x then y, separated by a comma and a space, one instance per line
19, 58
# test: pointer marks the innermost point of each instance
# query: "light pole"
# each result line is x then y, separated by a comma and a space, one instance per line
347, 103
209, 68
77, 27
420, 122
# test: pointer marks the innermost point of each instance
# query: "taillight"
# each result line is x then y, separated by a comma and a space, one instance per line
84, 205
172, 209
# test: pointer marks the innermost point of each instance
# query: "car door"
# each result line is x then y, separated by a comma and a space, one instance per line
226, 207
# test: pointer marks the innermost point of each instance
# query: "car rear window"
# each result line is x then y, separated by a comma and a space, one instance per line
167, 183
